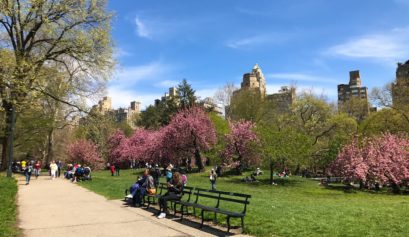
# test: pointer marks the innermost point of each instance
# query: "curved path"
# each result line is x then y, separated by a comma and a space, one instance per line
60, 208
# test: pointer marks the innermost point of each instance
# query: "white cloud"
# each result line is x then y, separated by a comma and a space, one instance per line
120, 52
126, 85
203, 93
129, 76
385, 46
257, 40
167, 83
299, 77
122, 97
141, 28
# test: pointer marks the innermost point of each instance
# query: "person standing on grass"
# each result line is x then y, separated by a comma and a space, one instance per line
27, 172
169, 173
53, 169
117, 169
112, 168
37, 169
212, 178
175, 191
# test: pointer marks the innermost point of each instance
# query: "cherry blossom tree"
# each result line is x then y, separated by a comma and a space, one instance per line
115, 147
240, 145
382, 160
350, 163
189, 133
84, 152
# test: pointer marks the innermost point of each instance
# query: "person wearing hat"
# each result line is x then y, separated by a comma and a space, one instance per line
169, 173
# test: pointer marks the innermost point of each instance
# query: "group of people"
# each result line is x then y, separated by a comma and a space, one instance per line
148, 183
77, 173
30, 167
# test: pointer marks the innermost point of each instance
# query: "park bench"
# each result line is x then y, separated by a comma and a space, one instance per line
329, 180
186, 194
217, 199
151, 198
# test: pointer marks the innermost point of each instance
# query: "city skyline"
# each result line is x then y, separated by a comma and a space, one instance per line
311, 43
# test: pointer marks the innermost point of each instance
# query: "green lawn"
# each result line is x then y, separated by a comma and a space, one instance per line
8, 191
295, 207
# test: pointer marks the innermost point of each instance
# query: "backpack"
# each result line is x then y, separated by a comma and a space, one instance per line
79, 171
184, 179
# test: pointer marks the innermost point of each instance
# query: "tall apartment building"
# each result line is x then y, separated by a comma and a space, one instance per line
353, 97
255, 81
128, 114
104, 106
400, 88
284, 99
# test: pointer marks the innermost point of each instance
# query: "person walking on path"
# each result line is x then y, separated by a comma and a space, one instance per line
59, 165
175, 188
53, 169
212, 178
27, 172
37, 169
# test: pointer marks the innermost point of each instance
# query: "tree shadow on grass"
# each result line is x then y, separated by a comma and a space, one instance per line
264, 181
350, 189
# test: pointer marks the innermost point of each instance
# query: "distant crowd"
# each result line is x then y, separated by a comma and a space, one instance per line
53, 169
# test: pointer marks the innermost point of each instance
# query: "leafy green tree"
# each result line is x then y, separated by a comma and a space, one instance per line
72, 35
222, 128
385, 120
186, 97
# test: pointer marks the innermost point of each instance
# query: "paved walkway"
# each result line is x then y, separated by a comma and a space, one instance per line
60, 208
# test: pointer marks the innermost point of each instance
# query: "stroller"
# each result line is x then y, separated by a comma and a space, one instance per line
87, 174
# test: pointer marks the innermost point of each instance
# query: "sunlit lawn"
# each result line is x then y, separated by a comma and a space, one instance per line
295, 207
8, 191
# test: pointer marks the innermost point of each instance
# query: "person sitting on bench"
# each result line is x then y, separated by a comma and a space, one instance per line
141, 187
175, 188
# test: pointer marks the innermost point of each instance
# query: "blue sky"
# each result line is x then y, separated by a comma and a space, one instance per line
311, 43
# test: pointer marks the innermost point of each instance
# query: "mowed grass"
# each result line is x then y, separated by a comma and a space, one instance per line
8, 191
295, 207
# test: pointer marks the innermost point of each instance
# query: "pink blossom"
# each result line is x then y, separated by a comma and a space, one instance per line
84, 152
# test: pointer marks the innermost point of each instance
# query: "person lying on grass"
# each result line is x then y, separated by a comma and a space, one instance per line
175, 188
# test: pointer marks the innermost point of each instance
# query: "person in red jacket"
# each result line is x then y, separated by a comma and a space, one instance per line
37, 169
112, 169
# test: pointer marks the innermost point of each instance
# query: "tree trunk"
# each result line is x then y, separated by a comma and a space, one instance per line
271, 173
9, 122
4, 154
50, 143
198, 159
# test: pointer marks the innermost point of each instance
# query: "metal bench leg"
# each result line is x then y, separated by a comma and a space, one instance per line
149, 202
228, 224
202, 214
174, 208
242, 224
181, 217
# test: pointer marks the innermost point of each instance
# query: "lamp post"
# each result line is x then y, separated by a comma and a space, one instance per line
10, 137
